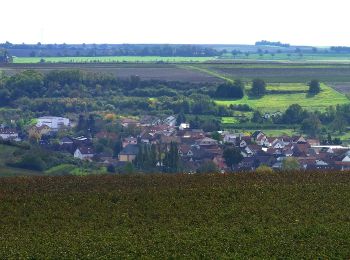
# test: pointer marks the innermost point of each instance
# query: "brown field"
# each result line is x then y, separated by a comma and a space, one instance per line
167, 72
283, 73
342, 87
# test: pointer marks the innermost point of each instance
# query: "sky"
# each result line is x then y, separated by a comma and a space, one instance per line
298, 22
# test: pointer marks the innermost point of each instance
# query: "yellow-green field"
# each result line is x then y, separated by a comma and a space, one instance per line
280, 102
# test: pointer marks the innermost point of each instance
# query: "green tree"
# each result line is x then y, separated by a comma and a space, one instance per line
217, 136
311, 125
258, 88
294, 114
232, 156
290, 164
208, 167
339, 123
181, 118
314, 87
172, 161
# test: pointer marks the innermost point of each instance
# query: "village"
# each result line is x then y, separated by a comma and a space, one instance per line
194, 146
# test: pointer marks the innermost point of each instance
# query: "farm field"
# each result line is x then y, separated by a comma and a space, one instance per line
280, 102
342, 87
166, 72
293, 57
282, 215
101, 59
281, 72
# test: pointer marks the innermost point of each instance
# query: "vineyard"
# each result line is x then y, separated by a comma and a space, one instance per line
253, 215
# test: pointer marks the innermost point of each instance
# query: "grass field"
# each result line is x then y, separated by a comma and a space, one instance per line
148, 59
287, 216
280, 102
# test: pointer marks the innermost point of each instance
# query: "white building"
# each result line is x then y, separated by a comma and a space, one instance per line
184, 126
84, 153
8, 134
55, 123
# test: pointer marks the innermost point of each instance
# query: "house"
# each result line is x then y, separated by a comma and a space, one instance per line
38, 131
8, 134
206, 141
129, 153
53, 122
170, 121
125, 122
230, 138
84, 153
129, 140
185, 150
150, 121
184, 126
66, 141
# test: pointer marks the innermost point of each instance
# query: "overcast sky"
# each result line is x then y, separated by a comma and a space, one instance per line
302, 22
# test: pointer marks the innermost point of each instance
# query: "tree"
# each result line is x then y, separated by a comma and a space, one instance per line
311, 125
258, 88
339, 123
294, 114
290, 164
228, 90
217, 136
181, 118
257, 117
232, 156
172, 161
208, 167
314, 87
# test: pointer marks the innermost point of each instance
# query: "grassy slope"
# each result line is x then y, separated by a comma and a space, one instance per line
112, 59
280, 102
298, 215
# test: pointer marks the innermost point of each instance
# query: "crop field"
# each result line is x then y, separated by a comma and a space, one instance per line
108, 59
281, 73
302, 215
280, 102
342, 87
166, 72
293, 57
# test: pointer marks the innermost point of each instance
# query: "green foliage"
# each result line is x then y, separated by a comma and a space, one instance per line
208, 167
311, 125
290, 164
232, 156
314, 87
227, 90
258, 88
172, 160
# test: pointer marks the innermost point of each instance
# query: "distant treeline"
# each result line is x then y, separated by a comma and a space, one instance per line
340, 49
91, 50
268, 43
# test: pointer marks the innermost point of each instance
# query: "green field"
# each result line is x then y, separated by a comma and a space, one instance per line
298, 215
147, 59
280, 102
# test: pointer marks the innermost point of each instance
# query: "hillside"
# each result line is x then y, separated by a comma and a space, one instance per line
286, 215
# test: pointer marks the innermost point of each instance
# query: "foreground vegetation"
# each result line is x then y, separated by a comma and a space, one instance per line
281, 215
